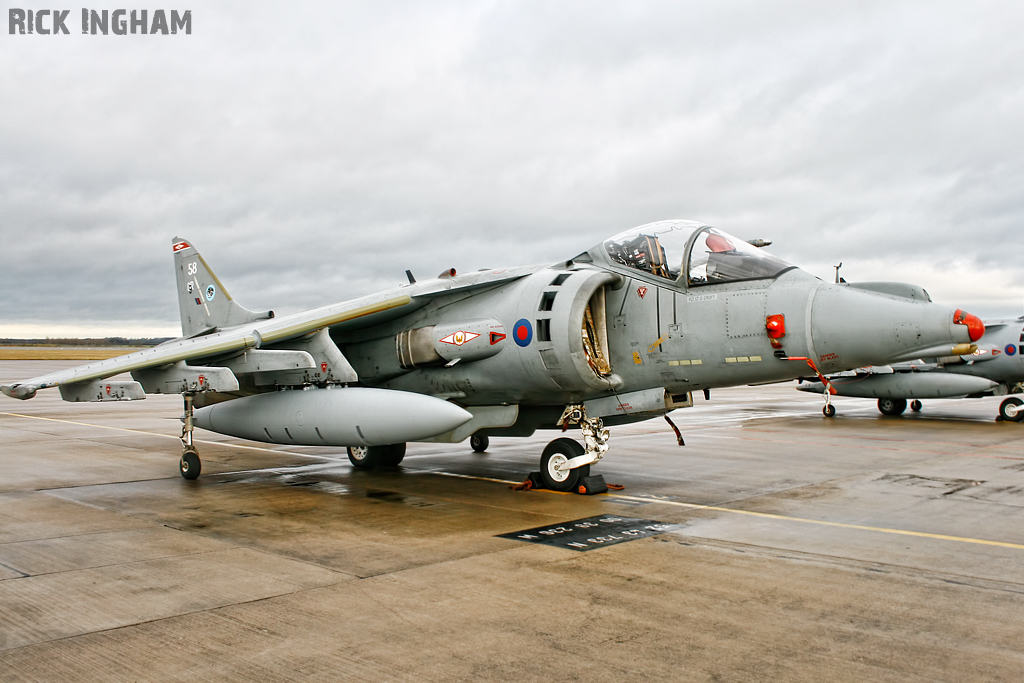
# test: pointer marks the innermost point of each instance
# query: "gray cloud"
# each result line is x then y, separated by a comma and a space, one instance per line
315, 150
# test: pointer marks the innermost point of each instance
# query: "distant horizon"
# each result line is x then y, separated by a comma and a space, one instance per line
110, 339
88, 331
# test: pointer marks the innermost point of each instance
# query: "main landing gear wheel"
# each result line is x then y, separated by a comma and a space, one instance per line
556, 454
479, 443
190, 464
1010, 410
916, 406
829, 410
892, 406
369, 457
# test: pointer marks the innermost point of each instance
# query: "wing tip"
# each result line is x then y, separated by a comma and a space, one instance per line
19, 391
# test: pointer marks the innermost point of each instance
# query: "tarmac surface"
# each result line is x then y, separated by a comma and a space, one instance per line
794, 548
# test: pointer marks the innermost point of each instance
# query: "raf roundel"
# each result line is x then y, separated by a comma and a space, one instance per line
522, 332
1011, 349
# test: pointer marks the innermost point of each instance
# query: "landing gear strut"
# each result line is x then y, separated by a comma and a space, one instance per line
564, 461
189, 465
828, 410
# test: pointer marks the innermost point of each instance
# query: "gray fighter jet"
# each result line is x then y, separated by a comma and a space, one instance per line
622, 332
994, 368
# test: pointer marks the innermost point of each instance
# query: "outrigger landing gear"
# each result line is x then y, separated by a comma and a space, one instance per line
190, 465
828, 410
564, 461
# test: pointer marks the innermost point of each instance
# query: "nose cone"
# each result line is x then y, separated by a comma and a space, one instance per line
852, 328
975, 328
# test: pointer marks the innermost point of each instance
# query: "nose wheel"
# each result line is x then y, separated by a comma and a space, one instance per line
554, 470
1011, 410
565, 462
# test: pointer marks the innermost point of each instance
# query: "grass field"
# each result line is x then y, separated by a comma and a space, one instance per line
62, 353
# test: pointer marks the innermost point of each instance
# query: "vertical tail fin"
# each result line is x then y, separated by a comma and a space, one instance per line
204, 302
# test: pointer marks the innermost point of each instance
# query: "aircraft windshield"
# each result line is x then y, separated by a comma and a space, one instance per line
656, 248
660, 249
719, 257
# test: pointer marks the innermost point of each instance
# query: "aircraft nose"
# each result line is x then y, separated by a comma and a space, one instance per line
853, 327
975, 328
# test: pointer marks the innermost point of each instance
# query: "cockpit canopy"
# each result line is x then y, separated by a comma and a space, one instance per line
674, 250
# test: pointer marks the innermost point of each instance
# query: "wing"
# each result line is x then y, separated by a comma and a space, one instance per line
235, 341
219, 344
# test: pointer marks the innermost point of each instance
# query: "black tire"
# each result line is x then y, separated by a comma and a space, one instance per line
190, 465
916, 406
364, 457
558, 451
1010, 410
892, 406
391, 455
479, 444
829, 410
370, 457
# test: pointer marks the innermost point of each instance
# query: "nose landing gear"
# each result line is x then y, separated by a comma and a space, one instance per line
1010, 410
554, 471
564, 462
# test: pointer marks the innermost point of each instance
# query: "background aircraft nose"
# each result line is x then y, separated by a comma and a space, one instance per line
852, 328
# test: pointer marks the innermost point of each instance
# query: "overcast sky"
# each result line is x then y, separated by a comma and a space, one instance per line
313, 151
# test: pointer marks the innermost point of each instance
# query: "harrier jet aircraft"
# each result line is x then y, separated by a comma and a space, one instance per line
994, 368
620, 333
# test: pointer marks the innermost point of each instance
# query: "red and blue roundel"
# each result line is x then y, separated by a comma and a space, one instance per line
522, 332
1010, 349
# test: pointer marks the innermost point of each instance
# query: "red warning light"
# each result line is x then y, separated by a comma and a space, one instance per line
776, 326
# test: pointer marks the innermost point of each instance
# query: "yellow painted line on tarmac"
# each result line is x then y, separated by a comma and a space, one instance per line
166, 436
819, 522
765, 515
